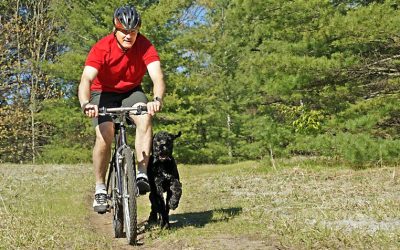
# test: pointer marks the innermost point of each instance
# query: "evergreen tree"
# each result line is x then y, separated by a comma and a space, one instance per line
245, 79
283, 69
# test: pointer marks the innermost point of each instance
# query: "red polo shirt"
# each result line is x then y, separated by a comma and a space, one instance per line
118, 71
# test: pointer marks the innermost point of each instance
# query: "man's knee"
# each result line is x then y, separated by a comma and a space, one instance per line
143, 123
104, 134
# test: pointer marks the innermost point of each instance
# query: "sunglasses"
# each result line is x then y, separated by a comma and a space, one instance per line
126, 32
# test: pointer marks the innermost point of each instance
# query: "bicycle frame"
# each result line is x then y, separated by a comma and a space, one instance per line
120, 143
121, 182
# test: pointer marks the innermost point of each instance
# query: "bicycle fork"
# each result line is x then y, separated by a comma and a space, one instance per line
115, 167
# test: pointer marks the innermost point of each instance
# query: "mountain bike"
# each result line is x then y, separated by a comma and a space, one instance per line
121, 182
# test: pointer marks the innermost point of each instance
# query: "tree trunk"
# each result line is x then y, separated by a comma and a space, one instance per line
228, 123
32, 109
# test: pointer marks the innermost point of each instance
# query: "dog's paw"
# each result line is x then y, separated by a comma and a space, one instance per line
173, 204
165, 224
153, 218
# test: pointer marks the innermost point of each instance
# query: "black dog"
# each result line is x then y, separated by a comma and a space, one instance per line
163, 177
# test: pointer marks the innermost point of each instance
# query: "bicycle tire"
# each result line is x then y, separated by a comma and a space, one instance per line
129, 195
118, 211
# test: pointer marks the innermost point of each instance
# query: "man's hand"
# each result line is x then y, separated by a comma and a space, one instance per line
91, 110
154, 107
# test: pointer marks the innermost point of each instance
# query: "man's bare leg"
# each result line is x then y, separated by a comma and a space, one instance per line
102, 150
143, 141
101, 158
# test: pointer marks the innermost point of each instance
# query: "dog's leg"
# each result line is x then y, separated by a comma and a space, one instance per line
176, 189
153, 192
153, 218
169, 194
161, 203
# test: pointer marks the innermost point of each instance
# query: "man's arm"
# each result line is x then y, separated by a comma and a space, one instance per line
88, 75
157, 77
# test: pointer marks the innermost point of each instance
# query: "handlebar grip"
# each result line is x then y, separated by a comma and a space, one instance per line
142, 108
102, 110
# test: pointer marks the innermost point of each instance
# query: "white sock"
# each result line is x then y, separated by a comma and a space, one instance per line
141, 175
100, 186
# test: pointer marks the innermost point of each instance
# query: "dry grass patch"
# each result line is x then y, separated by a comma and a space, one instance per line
42, 207
298, 205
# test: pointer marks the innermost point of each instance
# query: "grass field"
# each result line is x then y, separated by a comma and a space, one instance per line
300, 204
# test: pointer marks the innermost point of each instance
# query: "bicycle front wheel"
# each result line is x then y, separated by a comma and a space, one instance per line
129, 195
118, 214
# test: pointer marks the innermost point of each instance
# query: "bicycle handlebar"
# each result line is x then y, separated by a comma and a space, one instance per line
138, 110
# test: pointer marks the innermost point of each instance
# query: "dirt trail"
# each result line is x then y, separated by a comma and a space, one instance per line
102, 223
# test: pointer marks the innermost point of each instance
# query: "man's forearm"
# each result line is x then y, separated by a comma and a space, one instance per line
89, 73
84, 92
157, 77
159, 88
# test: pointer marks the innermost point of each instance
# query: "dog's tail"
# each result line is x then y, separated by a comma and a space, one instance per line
178, 135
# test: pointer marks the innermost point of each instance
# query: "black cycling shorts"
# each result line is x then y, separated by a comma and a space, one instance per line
115, 100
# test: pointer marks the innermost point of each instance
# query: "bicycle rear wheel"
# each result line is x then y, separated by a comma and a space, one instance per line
129, 195
118, 212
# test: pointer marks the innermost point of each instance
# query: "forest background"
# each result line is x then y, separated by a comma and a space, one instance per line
245, 79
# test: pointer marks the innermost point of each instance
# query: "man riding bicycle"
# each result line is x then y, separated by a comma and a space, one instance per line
112, 77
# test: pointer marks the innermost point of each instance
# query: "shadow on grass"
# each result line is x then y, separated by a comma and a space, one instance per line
200, 219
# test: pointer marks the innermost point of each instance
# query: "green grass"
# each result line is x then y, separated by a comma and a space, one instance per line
299, 204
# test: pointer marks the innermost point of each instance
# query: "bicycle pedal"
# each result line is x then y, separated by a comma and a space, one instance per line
102, 209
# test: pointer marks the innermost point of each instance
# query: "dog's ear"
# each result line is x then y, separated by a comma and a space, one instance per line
178, 135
